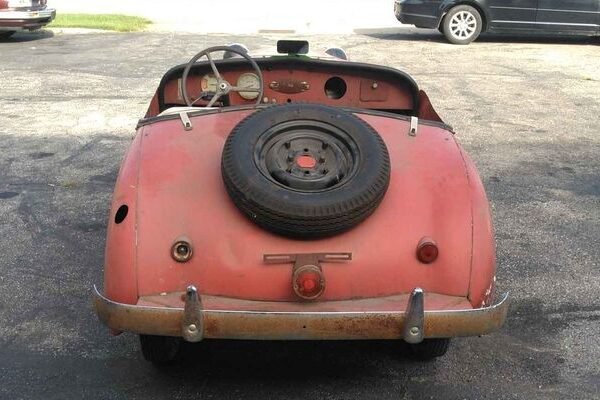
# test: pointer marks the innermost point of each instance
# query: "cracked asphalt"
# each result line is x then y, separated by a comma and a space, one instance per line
526, 110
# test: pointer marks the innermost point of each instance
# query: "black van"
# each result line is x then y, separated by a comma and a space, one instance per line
461, 21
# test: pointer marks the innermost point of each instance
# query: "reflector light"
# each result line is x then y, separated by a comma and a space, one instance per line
427, 251
308, 282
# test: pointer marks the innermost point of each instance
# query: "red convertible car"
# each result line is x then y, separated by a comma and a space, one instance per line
292, 197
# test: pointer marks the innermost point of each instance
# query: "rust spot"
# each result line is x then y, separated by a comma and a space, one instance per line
210, 327
303, 325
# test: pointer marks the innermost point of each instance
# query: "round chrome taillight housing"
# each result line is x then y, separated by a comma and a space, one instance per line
308, 282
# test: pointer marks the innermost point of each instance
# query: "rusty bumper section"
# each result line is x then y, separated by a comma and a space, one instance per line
194, 323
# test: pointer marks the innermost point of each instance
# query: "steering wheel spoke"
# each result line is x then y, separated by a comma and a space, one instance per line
203, 95
223, 87
213, 66
213, 100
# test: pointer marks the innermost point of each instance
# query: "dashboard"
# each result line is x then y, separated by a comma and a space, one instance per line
293, 79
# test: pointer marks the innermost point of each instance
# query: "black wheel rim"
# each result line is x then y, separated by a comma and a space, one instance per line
306, 156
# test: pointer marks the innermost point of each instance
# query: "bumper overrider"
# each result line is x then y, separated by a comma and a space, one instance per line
194, 323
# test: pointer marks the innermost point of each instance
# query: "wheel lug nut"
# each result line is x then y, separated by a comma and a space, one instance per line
322, 160
287, 145
325, 145
290, 157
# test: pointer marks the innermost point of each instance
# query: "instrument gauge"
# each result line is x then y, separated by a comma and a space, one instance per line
250, 81
208, 83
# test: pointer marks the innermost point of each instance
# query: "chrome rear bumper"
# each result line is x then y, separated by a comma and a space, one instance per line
194, 324
26, 20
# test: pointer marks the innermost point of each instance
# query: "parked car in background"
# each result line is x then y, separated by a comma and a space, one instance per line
16, 15
462, 21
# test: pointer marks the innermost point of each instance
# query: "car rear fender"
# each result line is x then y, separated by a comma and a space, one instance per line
120, 268
483, 256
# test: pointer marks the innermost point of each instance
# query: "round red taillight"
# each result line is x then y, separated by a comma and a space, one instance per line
427, 251
308, 282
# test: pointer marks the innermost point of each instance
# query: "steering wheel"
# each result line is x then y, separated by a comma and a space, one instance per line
223, 87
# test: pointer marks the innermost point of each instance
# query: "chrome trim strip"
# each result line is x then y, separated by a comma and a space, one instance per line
543, 9
542, 23
418, 15
198, 111
568, 11
513, 8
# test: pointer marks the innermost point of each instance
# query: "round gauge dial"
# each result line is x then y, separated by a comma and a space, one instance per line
251, 81
208, 83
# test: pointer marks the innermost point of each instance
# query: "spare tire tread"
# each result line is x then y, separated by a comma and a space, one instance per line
340, 213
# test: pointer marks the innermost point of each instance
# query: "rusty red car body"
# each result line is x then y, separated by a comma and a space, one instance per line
170, 191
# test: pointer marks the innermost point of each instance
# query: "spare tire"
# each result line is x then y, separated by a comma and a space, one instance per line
305, 171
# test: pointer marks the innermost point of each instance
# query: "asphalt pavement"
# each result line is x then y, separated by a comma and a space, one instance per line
526, 110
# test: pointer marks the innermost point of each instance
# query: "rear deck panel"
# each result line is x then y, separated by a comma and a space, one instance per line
180, 193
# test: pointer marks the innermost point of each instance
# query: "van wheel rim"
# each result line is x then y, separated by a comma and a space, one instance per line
463, 25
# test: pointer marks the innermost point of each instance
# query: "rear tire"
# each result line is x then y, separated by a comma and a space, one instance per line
428, 349
462, 24
160, 350
6, 34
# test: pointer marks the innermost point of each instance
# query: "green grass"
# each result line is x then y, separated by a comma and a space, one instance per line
110, 22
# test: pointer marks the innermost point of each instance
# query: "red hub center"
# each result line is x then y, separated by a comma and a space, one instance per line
306, 161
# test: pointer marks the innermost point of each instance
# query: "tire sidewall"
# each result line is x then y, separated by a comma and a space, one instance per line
160, 350
446, 24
